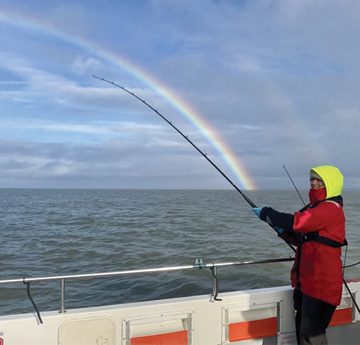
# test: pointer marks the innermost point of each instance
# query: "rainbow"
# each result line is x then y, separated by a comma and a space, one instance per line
236, 166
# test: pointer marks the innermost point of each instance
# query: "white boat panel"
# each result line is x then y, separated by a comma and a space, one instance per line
196, 320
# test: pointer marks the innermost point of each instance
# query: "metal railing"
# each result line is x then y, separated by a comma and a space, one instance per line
199, 264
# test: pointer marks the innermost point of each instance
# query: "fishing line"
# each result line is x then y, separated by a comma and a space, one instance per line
249, 201
352, 265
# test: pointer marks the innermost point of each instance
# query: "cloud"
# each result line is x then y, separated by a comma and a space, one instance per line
98, 166
83, 65
277, 80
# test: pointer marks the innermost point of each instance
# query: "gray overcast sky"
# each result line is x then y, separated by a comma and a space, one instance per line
255, 84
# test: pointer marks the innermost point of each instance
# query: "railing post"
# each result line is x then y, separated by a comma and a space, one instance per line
62, 301
215, 283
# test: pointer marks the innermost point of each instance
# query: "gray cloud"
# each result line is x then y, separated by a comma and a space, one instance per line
277, 80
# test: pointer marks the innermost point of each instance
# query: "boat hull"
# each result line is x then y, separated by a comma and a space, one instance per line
261, 316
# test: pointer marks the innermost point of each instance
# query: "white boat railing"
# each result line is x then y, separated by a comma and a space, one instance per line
199, 264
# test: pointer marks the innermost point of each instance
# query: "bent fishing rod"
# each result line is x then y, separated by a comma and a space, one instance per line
249, 201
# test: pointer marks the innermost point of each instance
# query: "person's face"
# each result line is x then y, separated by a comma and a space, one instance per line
316, 184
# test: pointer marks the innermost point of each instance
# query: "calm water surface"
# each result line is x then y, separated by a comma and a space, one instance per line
62, 232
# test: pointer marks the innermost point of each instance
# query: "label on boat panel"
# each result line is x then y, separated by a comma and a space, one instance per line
287, 339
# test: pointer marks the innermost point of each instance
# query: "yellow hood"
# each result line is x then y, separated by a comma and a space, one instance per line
332, 178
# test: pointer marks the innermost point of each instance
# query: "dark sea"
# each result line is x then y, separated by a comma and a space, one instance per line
57, 232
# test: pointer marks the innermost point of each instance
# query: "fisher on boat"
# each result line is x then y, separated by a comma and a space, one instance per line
325, 313
318, 231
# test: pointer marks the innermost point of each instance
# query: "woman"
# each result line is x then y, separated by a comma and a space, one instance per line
318, 232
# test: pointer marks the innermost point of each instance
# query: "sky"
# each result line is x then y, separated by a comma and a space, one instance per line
255, 85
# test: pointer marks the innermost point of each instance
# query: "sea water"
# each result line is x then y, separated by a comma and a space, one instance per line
53, 232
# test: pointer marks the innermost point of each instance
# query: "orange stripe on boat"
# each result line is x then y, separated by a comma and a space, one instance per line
354, 280
341, 317
174, 338
252, 329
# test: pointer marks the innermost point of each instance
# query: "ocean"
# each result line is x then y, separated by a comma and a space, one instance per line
52, 232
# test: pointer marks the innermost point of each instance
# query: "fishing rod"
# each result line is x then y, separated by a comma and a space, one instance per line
294, 185
344, 281
249, 201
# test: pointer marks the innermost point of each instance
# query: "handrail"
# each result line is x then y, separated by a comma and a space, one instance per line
199, 264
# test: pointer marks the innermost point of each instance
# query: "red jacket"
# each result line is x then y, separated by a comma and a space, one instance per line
318, 267
317, 270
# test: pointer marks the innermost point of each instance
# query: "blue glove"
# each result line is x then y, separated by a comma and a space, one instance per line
257, 211
278, 230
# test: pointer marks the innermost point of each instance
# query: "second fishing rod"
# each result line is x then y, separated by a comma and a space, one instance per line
248, 200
